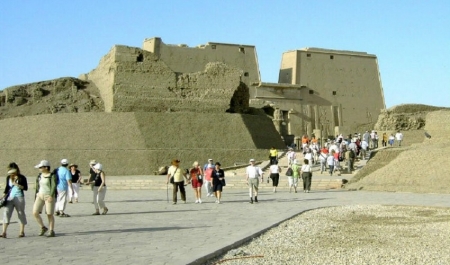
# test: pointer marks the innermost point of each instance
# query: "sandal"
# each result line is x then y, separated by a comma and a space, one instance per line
105, 211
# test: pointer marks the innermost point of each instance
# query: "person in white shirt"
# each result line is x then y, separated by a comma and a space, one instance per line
391, 140
291, 156
364, 146
306, 173
399, 138
253, 174
331, 162
308, 155
275, 171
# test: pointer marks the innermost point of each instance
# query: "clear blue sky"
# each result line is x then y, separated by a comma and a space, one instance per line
41, 40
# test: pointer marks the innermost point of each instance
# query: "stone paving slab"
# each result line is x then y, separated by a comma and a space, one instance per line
143, 228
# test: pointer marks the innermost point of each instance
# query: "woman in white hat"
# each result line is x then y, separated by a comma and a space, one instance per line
16, 183
99, 190
45, 196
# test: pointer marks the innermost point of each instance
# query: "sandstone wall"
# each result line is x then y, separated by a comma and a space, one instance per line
131, 79
135, 143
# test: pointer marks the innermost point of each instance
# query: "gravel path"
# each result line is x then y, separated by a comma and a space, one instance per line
373, 234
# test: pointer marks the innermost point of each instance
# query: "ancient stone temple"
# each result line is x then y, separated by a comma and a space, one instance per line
141, 107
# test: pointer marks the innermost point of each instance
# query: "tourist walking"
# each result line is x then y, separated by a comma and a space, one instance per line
218, 181
384, 140
196, 178
331, 162
293, 180
178, 176
45, 189
323, 159
99, 190
92, 173
306, 173
275, 171
253, 174
15, 186
207, 171
76, 182
64, 187
273, 155
399, 138
391, 140
291, 156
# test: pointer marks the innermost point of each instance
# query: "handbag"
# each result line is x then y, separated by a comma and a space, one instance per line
289, 172
3, 201
223, 182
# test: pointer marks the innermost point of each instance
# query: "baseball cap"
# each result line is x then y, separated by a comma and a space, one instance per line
64, 162
11, 171
93, 162
252, 160
210, 159
43, 163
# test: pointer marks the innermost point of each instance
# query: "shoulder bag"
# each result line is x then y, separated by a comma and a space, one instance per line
172, 181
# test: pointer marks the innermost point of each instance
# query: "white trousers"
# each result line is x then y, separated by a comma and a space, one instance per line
61, 201
99, 197
76, 190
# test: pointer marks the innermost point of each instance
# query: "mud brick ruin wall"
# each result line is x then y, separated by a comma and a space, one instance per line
135, 143
131, 79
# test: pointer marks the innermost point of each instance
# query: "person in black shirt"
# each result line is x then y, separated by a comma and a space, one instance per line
218, 181
76, 181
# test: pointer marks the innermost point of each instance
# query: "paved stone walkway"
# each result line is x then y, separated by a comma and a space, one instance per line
143, 228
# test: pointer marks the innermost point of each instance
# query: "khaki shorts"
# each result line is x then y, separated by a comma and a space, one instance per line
41, 200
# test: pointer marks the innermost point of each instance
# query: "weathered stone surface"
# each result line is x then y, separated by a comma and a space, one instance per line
64, 95
415, 168
135, 143
404, 117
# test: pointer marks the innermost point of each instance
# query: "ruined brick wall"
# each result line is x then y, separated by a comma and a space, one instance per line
131, 79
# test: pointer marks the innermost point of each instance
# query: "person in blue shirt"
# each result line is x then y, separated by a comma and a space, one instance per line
64, 186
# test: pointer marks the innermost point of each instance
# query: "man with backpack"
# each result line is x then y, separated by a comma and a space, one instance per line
64, 185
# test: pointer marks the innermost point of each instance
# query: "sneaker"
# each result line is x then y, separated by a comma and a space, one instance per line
174, 202
217, 201
199, 201
43, 230
256, 199
57, 213
51, 233
251, 200
184, 202
307, 191
196, 201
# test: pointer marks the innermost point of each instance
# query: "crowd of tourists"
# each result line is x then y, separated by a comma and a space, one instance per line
53, 190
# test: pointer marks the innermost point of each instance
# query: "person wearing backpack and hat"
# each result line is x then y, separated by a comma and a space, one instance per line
64, 186
45, 189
